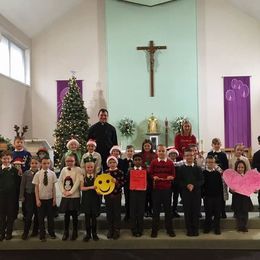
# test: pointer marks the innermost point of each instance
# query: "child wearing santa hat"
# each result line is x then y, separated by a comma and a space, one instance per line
91, 147
116, 151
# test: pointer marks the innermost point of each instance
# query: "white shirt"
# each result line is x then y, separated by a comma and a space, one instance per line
160, 160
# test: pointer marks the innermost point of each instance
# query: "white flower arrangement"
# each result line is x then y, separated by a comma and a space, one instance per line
126, 127
177, 123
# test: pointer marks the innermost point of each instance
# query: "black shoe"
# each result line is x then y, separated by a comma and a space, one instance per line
116, 234
223, 215
244, 229
110, 234
175, 214
8, 237
65, 235
154, 233
87, 238
189, 234
24, 236
195, 233
95, 237
171, 233
206, 230
74, 235
217, 231
43, 239
2, 237
137, 234
52, 235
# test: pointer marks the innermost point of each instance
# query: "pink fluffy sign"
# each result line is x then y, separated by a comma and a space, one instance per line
246, 184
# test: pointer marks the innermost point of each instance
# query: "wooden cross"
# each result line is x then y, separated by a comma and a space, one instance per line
151, 49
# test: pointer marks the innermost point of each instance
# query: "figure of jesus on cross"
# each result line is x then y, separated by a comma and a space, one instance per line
151, 49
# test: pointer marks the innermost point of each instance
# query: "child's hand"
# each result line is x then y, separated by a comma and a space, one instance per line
54, 202
169, 178
156, 178
113, 180
38, 203
190, 187
95, 187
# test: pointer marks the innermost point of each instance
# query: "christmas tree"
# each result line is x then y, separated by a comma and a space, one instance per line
73, 122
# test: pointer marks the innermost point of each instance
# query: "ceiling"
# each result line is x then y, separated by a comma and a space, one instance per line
32, 16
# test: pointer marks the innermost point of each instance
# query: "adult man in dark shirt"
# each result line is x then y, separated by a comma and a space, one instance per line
104, 134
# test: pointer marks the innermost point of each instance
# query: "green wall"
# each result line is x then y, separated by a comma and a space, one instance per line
128, 26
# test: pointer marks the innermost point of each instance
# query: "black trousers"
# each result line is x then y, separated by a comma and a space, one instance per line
91, 223
127, 203
241, 218
30, 212
6, 224
191, 206
137, 208
74, 215
113, 208
46, 210
213, 206
162, 198
149, 198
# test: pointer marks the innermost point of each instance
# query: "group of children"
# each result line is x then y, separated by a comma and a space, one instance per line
167, 175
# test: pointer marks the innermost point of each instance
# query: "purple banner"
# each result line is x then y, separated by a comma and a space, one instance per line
62, 89
237, 111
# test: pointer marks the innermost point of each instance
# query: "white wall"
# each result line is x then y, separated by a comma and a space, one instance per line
76, 41
229, 44
15, 97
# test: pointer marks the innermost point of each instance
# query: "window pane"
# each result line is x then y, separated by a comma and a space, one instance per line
17, 63
4, 56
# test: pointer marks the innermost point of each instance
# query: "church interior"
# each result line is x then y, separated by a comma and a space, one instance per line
152, 62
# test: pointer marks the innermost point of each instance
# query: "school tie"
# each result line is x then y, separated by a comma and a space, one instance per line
45, 178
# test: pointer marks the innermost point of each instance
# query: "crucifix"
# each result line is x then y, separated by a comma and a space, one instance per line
151, 49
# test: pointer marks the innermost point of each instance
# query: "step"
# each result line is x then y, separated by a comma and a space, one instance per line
229, 239
178, 223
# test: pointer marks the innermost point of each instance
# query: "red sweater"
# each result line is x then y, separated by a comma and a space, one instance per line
182, 142
162, 170
147, 158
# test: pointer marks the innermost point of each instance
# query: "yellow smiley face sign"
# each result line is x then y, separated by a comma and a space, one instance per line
104, 184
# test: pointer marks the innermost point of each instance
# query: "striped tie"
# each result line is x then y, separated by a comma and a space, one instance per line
45, 179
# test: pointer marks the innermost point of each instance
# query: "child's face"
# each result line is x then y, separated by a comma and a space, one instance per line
137, 161
147, 147
112, 164
18, 144
91, 148
34, 164
70, 161
173, 156
130, 152
189, 157
239, 150
42, 154
195, 150
241, 168
216, 146
73, 146
89, 166
161, 152
45, 164
211, 163
6, 160
115, 153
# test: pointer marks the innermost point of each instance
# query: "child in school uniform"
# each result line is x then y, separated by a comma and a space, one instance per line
162, 172
45, 194
241, 204
213, 194
127, 165
27, 195
69, 183
116, 152
238, 156
113, 200
90, 202
91, 147
222, 162
190, 180
9, 195
148, 155
137, 200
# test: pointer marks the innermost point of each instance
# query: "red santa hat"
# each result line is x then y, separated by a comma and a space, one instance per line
172, 149
115, 147
72, 141
112, 158
91, 141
